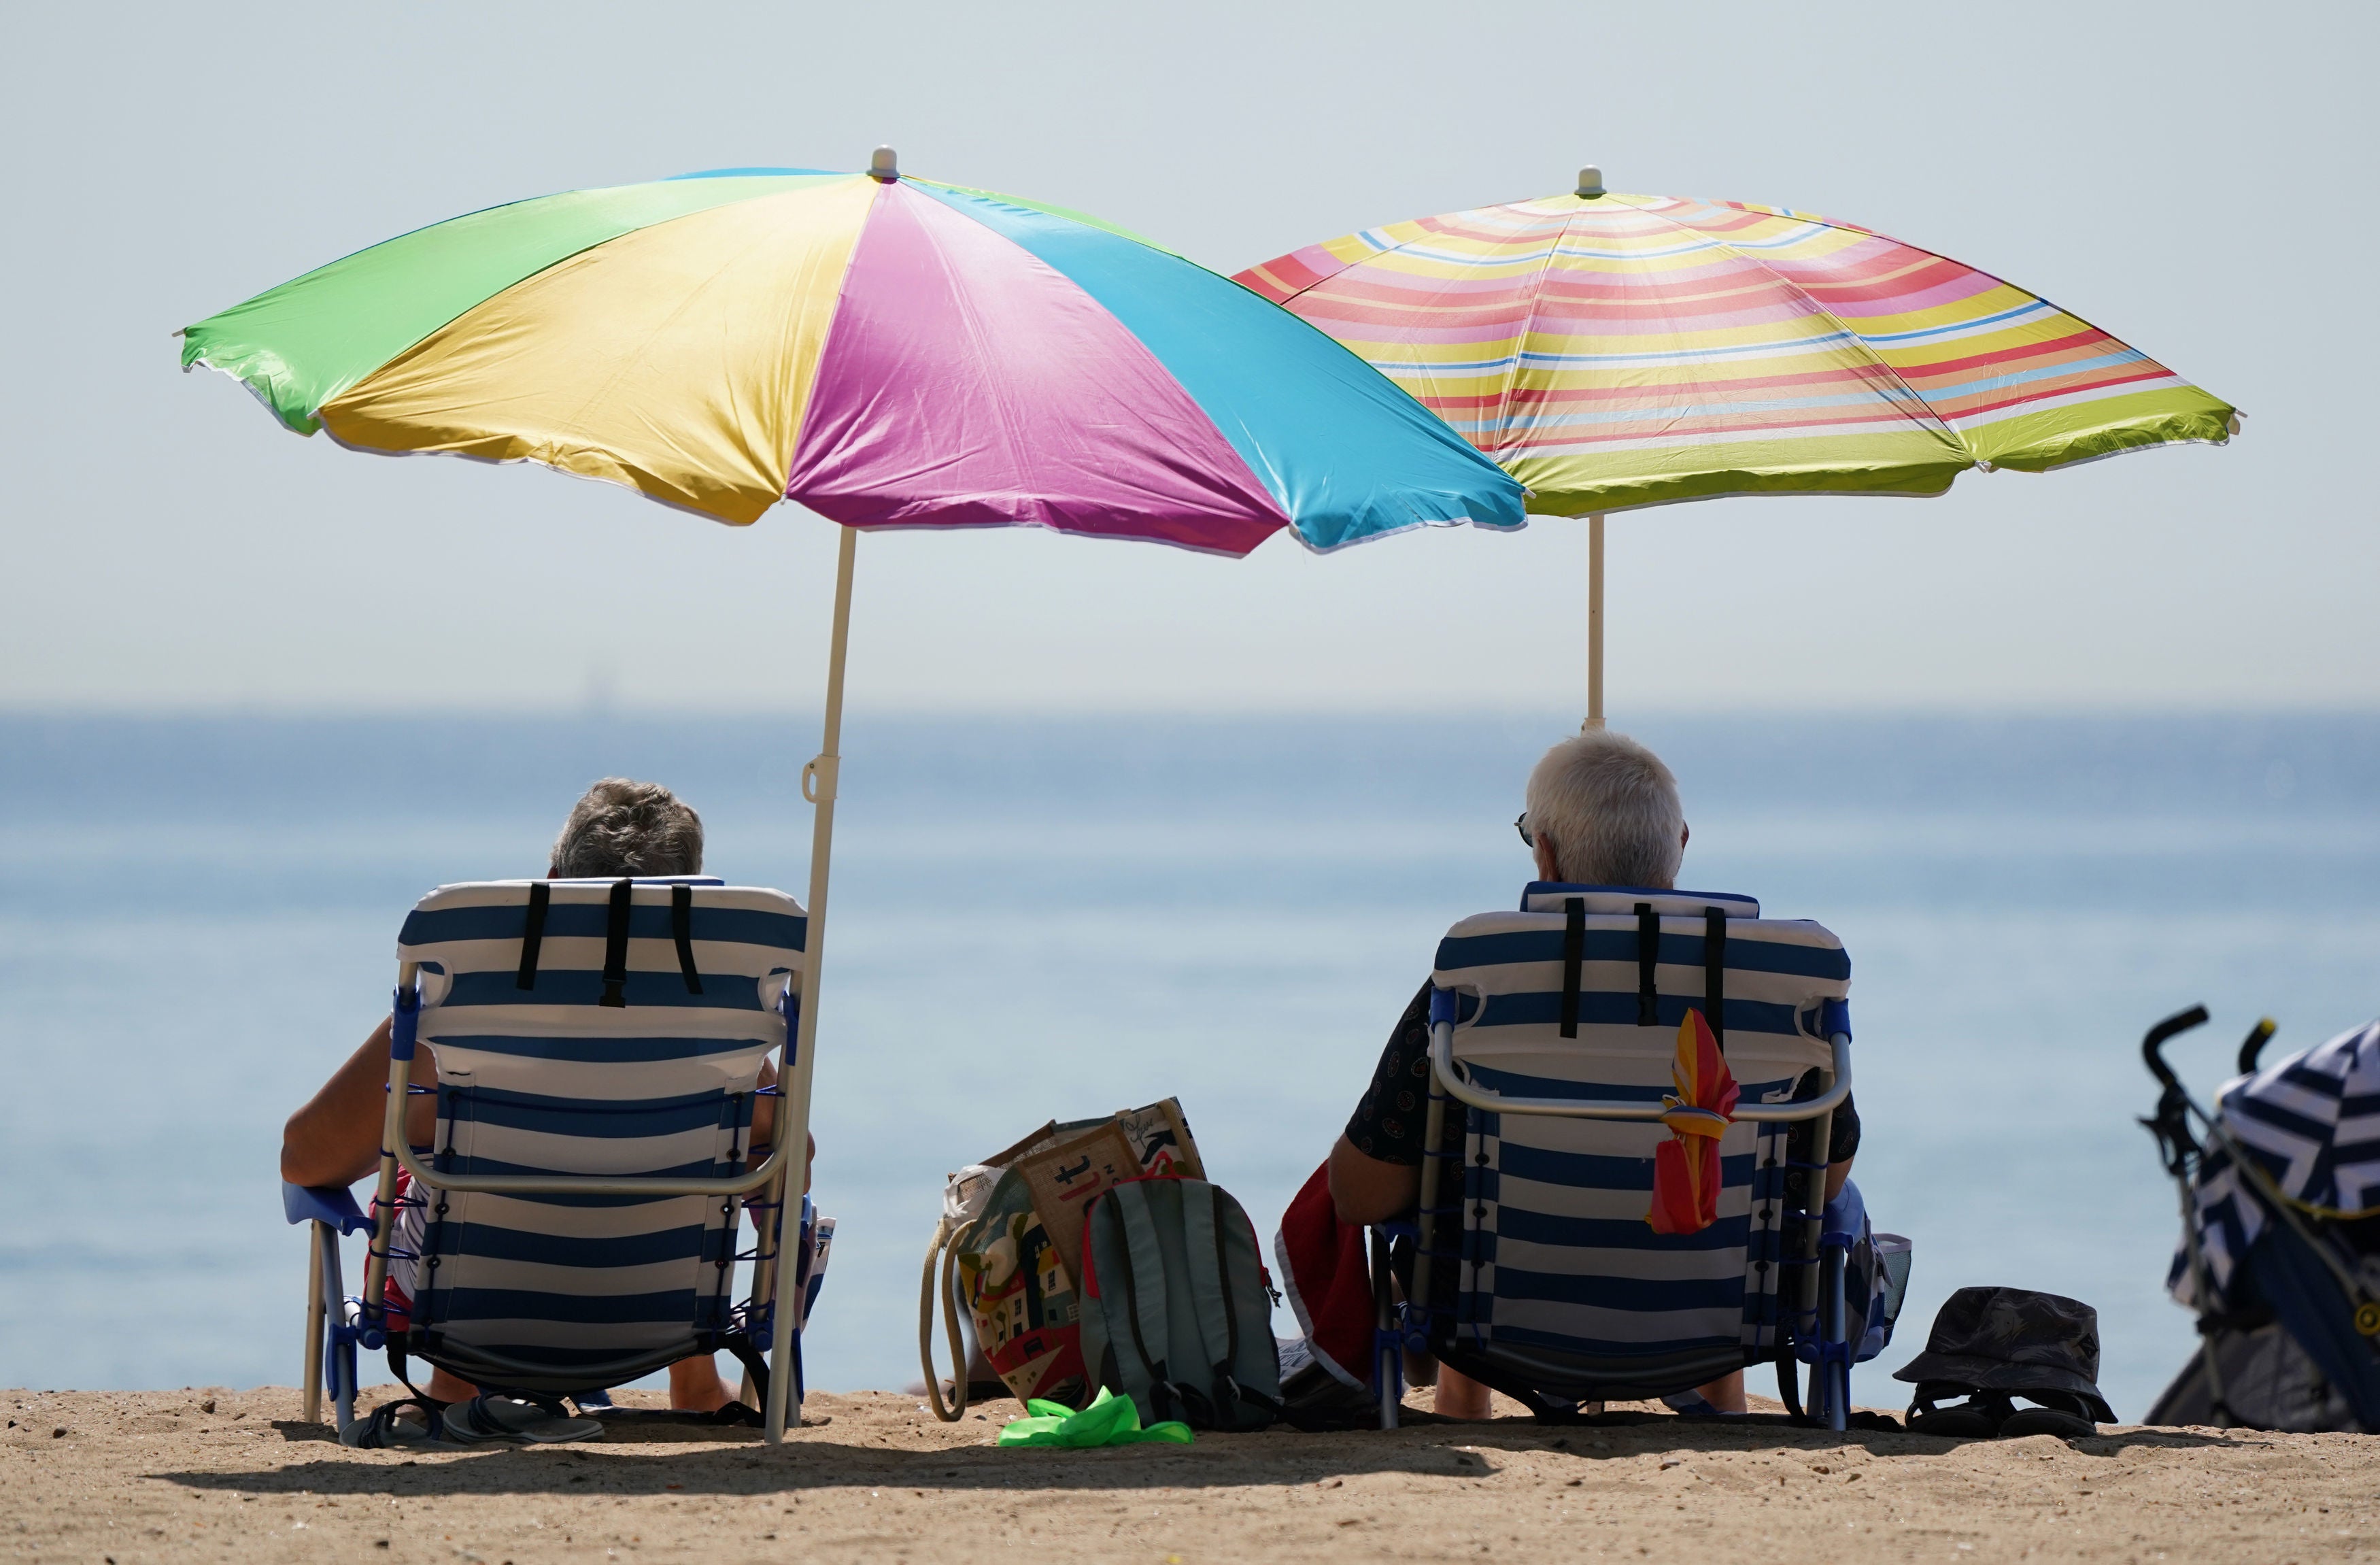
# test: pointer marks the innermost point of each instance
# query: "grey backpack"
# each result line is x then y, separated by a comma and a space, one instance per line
1177, 1306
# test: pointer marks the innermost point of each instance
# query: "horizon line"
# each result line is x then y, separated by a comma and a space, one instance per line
628, 712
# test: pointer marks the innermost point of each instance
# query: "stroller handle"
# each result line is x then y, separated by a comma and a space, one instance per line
2179, 1022
2253, 1043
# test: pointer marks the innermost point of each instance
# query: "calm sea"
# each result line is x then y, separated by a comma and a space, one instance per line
1040, 917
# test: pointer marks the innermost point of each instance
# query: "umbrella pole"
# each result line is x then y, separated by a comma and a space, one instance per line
794, 1123
1594, 621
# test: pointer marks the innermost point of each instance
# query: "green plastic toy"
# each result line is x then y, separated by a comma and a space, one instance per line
1110, 1420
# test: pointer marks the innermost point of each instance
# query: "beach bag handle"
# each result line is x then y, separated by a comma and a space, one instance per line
944, 1248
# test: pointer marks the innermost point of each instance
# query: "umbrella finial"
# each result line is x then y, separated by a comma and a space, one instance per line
884, 164
1590, 182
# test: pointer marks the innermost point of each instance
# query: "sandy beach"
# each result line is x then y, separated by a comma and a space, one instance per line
124, 1477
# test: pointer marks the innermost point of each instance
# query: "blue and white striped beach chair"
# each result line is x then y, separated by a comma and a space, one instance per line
1553, 1030
598, 1047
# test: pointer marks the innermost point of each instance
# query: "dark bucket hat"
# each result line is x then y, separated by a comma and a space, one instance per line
2013, 1339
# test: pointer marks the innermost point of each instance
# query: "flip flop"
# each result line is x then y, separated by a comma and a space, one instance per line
1693, 1404
729, 1415
410, 1420
1980, 1417
2063, 1422
499, 1420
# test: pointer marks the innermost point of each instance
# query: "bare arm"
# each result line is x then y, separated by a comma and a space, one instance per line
764, 1123
1365, 1190
334, 1139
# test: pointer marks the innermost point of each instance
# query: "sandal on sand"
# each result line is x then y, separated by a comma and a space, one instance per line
501, 1420
1988, 1416
1979, 1417
411, 1420
2059, 1414
1693, 1404
730, 1416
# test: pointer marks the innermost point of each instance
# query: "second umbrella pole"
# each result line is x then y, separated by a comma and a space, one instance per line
819, 780
1594, 621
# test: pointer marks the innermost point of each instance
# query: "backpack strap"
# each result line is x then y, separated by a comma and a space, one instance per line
1202, 1240
1206, 1232
1144, 1287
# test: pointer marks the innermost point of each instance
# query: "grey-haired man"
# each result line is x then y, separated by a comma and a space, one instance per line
1603, 811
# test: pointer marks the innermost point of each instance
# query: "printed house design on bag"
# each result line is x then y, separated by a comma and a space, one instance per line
1023, 1314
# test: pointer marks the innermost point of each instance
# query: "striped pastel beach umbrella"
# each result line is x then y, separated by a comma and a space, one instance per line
887, 351
1614, 351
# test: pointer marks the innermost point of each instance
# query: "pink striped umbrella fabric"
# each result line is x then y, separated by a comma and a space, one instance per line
1615, 350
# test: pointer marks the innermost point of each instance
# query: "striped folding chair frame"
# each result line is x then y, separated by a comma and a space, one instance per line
1553, 1032
599, 1047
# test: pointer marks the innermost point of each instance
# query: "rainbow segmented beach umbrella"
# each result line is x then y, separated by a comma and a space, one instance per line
886, 351
1614, 351
889, 352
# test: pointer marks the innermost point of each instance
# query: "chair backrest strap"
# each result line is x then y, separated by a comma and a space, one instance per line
1715, 974
615, 945
1648, 962
682, 930
1573, 953
532, 933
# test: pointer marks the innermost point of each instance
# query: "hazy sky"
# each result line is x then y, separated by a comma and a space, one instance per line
2196, 178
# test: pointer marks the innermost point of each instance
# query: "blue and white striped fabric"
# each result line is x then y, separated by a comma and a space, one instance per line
2311, 1124
547, 1079
1558, 1264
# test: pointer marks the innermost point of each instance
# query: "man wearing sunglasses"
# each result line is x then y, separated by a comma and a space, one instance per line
1603, 811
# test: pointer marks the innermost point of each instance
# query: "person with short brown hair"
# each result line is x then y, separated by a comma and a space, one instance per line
618, 828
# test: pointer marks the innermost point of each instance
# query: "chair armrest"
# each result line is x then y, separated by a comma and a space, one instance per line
744, 1183
334, 1205
1441, 1056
